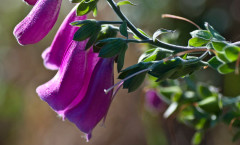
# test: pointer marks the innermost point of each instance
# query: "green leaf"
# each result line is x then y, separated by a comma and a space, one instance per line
169, 91
107, 31
197, 138
186, 70
214, 62
76, 1
83, 22
154, 54
162, 70
86, 31
125, 3
204, 34
85, 7
141, 31
232, 52
197, 42
222, 57
215, 34
91, 41
121, 57
133, 83
123, 29
113, 47
219, 45
210, 105
95, 11
203, 91
161, 31
170, 110
226, 68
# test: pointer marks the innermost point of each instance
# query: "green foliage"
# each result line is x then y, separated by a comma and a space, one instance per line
88, 29
85, 6
121, 3
159, 32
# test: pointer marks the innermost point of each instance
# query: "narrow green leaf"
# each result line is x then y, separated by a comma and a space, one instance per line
170, 110
76, 1
197, 42
161, 31
154, 54
197, 138
121, 57
215, 34
123, 29
204, 34
125, 3
82, 22
95, 11
141, 31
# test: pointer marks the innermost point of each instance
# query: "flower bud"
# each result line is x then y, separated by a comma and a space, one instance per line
54, 54
37, 24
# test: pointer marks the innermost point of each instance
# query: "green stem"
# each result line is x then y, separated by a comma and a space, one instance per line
137, 41
143, 37
191, 61
110, 22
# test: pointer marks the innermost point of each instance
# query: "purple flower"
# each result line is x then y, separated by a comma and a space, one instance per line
77, 90
30, 2
36, 25
53, 55
153, 100
95, 104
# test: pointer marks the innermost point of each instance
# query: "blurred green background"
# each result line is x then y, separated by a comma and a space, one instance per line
26, 120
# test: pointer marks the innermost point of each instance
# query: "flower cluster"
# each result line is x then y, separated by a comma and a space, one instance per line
76, 92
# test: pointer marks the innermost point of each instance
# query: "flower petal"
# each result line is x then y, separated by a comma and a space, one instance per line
95, 104
36, 25
30, 2
60, 91
53, 55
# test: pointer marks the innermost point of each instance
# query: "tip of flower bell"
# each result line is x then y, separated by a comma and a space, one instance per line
88, 136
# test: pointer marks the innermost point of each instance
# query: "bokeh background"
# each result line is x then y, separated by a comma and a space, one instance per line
26, 120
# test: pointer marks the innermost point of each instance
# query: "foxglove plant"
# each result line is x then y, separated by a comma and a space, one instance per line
84, 53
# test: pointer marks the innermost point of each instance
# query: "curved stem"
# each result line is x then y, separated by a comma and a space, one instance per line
122, 81
110, 22
143, 37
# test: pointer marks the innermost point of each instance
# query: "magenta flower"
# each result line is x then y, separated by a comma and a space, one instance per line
53, 55
30, 2
95, 104
36, 25
153, 101
77, 90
